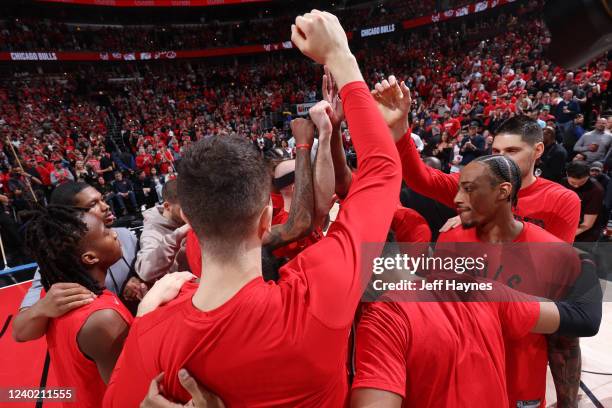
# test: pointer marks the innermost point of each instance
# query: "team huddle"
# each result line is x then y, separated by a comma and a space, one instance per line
240, 328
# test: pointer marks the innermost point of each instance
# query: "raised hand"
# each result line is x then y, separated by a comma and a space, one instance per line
320, 36
303, 131
394, 103
332, 96
321, 115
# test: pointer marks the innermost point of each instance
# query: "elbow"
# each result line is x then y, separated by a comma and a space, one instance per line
19, 333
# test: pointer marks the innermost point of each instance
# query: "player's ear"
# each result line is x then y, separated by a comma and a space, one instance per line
505, 191
89, 258
538, 150
264, 224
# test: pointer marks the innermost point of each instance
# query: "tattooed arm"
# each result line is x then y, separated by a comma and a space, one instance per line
301, 215
565, 365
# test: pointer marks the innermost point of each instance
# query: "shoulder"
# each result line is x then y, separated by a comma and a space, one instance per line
556, 191
126, 236
458, 234
534, 233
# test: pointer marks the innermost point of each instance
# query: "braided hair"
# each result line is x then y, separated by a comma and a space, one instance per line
503, 170
53, 236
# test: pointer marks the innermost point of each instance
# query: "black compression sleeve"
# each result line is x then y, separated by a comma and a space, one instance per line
580, 312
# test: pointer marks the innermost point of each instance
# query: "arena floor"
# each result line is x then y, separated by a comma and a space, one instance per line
24, 365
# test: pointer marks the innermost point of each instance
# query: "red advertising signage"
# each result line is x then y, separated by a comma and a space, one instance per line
455, 13
142, 56
154, 3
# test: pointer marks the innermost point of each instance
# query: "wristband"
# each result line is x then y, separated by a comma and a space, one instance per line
303, 146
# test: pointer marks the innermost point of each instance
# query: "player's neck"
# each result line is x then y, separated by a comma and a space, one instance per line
502, 229
528, 180
98, 274
222, 278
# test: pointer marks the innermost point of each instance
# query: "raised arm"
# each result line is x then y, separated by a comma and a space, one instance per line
333, 266
394, 103
156, 256
301, 215
323, 171
342, 173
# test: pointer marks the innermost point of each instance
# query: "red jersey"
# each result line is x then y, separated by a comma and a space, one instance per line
145, 162
452, 126
539, 270
439, 354
277, 343
278, 203
544, 203
72, 368
410, 226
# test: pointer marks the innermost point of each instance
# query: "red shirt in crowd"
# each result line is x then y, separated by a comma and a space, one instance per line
240, 350
544, 203
452, 126
145, 162
547, 267
439, 354
72, 368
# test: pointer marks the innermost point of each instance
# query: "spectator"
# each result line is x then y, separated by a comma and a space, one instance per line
443, 151
158, 183
144, 161
124, 190
595, 144
596, 172
472, 145
107, 167
162, 243
591, 195
145, 190
567, 109
552, 162
60, 174
572, 132
107, 193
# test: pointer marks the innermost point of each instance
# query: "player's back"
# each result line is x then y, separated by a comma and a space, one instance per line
261, 348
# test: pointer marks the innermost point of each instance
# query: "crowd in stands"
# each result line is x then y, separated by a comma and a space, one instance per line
460, 98
29, 34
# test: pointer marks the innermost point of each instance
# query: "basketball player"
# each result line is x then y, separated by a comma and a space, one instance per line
542, 202
35, 312
250, 342
459, 346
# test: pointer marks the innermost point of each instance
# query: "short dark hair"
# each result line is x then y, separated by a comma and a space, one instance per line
503, 170
223, 184
522, 125
578, 169
65, 194
170, 192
